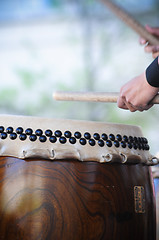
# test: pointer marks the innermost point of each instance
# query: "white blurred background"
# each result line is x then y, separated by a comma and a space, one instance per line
49, 45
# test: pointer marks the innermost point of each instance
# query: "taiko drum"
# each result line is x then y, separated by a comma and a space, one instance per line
74, 180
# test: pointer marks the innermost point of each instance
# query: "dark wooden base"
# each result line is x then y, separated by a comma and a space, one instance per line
72, 200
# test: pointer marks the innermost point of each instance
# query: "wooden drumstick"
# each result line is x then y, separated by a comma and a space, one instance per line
131, 22
92, 96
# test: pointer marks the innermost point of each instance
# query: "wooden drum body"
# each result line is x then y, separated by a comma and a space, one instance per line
67, 190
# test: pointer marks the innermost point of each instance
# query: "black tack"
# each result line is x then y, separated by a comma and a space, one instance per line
135, 146
48, 133
142, 140
33, 137
111, 137
145, 140
130, 145
125, 138
13, 136
82, 141
118, 137
9, 130
92, 142
52, 139
101, 143
96, 136
28, 131
109, 143
67, 134
1, 129
72, 140
39, 132
42, 138
22, 136
104, 136
58, 133
123, 144
62, 140
87, 135
3, 135
131, 139
77, 135
116, 143
135, 139
142, 146
19, 130
147, 147
139, 146
139, 140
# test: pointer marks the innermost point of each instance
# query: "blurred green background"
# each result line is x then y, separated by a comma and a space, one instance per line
74, 45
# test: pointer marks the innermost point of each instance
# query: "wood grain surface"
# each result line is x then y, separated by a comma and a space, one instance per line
72, 200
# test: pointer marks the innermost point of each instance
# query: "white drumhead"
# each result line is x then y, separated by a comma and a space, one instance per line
34, 137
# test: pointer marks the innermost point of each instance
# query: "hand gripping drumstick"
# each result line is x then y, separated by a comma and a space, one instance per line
92, 97
131, 22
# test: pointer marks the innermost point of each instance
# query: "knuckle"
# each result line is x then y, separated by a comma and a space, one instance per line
132, 110
129, 101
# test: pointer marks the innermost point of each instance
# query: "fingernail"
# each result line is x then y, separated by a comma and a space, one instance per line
142, 41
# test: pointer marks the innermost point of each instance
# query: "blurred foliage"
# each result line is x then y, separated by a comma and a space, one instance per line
8, 98
29, 78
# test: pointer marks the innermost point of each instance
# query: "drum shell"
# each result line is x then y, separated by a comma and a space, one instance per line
69, 199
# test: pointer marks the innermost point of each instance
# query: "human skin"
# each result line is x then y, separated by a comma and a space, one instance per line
138, 93
148, 47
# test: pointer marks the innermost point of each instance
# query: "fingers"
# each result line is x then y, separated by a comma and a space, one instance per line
148, 106
131, 107
152, 30
136, 94
142, 41
148, 47
153, 49
122, 103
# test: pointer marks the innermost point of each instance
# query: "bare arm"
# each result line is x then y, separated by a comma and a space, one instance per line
136, 94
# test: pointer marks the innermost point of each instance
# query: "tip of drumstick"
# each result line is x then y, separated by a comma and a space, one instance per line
59, 95
55, 95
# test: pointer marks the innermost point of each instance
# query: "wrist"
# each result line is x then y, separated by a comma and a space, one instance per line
152, 73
